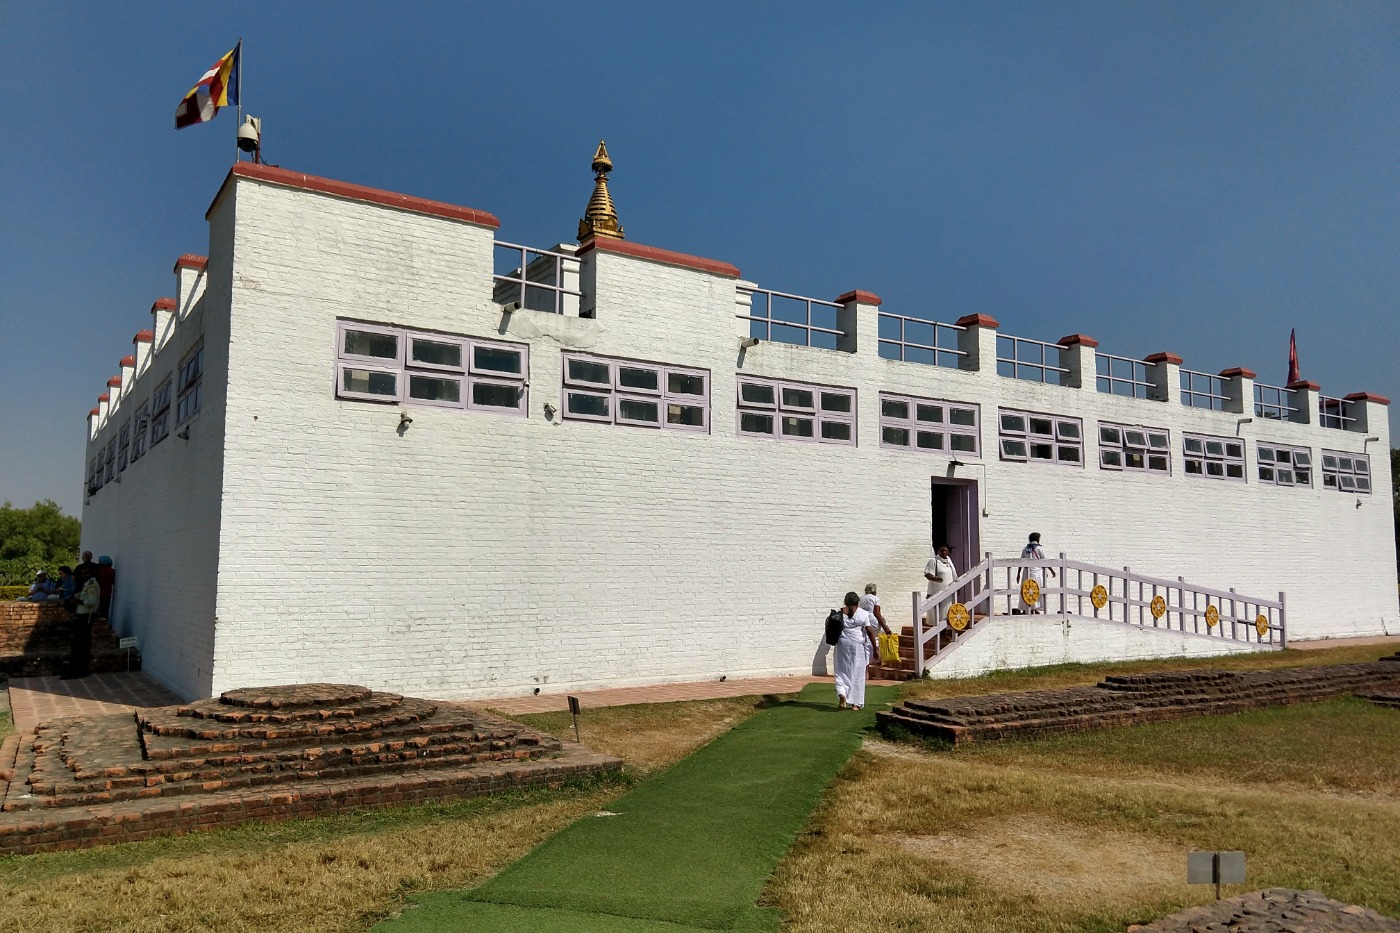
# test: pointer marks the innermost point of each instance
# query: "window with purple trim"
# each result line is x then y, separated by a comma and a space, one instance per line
1036, 438
1284, 466
111, 460
391, 364
645, 395
1214, 457
123, 447
160, 411
1134, 447
796, 411
191, 382
140, 424
1346, 472
95, 473
929, 425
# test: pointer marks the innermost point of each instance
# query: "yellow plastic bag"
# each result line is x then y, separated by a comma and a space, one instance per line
889, 648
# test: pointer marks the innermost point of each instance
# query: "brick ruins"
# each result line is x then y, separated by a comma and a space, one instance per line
1274, 910
261, 754
34, 640
1133, 699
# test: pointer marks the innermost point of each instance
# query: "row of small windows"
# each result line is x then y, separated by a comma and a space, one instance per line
151, 421
392, 364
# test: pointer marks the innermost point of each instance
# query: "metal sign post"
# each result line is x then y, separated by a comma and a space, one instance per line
1215, 868
574, 708
128, 643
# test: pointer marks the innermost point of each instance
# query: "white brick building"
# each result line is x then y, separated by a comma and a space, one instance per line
275, 517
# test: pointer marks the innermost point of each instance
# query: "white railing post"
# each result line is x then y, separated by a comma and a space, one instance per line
1064, 573
1282, 623
918, 638
1128, 595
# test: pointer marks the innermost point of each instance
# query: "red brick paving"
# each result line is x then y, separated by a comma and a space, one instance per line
38, 699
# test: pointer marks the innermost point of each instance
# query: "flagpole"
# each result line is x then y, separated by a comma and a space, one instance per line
238, 57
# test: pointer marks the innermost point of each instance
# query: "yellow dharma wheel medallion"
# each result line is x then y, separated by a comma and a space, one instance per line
958, 617
1098, 596
1212, 617
1159, 607
1030, 592
1261, 625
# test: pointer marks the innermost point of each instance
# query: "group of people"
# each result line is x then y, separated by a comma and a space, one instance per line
863, 622
85, 590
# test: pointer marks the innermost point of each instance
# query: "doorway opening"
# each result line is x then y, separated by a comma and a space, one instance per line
955, 510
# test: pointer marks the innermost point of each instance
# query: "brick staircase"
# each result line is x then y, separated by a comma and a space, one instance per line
937, 647
34, 640
1130, 699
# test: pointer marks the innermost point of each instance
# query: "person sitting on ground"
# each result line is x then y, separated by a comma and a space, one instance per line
41, 589
67, 584
871, 604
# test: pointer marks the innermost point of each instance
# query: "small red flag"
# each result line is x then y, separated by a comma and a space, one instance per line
1292, 358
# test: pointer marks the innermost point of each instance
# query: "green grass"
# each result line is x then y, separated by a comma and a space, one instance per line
690, 847
7, 723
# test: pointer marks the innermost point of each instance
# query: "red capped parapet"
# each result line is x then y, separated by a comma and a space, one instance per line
143, 336
1239, 371
114, 382
1163, 357
656, 254
127, 361
191, 261
1367, 397
1078, 340
978, 320
859, 297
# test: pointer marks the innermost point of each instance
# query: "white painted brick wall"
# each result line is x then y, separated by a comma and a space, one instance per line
480, 554
1036, 641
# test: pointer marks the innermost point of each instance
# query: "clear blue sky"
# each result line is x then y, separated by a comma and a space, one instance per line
1188, 176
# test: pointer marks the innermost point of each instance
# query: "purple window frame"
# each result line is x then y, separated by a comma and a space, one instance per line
1348, 472
139, 425
1266, 461
1066, 433
160, 411
111, 460
613, 390
190, 375
95, 472
777, 410
945, 428
468, 374
123, 447
1122, 447
1204, 457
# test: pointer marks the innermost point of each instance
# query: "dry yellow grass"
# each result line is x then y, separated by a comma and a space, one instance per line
1090, 832
340, 873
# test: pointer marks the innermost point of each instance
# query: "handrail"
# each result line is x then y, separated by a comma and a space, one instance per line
805, 326
1128, 598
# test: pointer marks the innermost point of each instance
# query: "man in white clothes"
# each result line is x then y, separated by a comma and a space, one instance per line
939, 572
1033, 551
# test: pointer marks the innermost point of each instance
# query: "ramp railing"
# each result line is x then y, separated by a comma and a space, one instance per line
1075, 590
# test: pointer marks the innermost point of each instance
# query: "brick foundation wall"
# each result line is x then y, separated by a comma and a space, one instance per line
34, 640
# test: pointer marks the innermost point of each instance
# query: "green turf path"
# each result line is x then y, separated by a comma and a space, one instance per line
688, 849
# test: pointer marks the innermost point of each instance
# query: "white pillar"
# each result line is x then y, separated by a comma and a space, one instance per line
979, 343
859, 320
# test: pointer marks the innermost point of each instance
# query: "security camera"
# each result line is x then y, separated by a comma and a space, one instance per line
405, 418
747, 342
510, 307
250, 134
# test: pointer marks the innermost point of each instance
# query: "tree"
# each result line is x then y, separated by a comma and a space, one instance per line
37, 538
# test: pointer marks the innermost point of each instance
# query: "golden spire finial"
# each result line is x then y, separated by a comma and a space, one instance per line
600, 217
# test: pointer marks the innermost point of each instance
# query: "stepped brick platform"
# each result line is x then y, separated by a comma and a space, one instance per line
34, 639
1274, 910
1132, 699
261, 754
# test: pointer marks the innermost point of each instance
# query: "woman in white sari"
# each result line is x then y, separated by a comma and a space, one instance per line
853, 653
939, 572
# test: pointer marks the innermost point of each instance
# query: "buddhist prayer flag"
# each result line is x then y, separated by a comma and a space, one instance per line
1292, 358
218, 88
